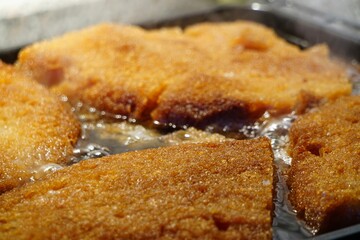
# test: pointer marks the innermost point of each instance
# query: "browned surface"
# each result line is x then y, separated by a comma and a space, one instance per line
35, 128
189, 77
254, 71
324, 177
207, 191
114, 68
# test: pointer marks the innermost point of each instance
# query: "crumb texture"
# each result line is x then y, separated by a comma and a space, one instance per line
324, 178
35, 128
189, 191
185, 77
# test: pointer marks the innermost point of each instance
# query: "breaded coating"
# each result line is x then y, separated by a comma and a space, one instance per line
35, 128
255, 71
185, 77
324, 178
119, 69
190, 191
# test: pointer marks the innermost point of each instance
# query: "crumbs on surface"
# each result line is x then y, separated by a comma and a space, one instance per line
214, 190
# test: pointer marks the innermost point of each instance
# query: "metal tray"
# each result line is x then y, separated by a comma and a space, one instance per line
301, 32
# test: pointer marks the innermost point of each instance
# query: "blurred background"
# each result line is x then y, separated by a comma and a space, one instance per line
23, 21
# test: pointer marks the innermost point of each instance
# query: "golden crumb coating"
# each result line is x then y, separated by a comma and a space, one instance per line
119, 69
190, 191
324, 178
185, 77
253, 71
35, 128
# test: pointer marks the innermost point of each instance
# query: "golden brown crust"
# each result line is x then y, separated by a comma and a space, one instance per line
209, 190
254, 71
35, 128
119, 69
202, 100
324, 178
127, 70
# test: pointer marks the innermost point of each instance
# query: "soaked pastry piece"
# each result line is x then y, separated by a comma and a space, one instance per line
35, 128
324, 178
208, 190
238, 70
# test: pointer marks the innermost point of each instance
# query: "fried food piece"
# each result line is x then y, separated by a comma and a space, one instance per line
324, 178
208, 190
254, 71
35, 128
189, 77
119, 69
